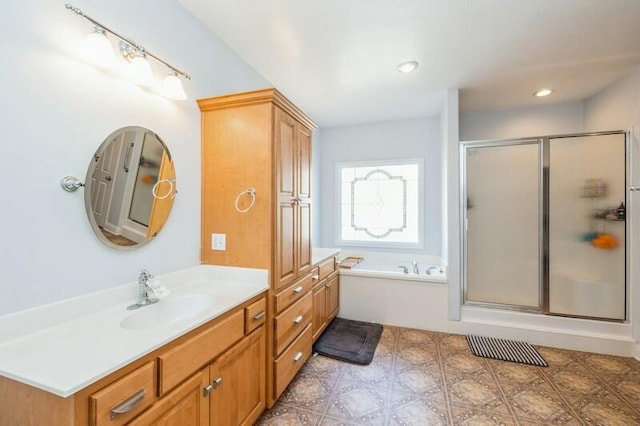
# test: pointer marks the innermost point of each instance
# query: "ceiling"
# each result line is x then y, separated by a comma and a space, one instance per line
337, 59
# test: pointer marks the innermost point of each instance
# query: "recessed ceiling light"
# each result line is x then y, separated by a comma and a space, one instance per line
542, 92
408, 66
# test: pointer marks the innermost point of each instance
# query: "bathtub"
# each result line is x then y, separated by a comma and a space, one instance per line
378, 290
395, 271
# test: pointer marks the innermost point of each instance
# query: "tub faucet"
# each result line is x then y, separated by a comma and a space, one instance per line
415, 267
404, 269
146, 295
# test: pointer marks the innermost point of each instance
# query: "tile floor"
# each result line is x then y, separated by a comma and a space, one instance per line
425, 378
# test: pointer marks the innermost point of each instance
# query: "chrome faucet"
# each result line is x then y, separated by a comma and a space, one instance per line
415, 267
146, 295
404, 269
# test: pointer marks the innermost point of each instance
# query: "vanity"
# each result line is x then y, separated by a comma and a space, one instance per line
196, 357
228, 336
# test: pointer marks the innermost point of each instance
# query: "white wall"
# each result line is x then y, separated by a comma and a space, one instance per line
523, 122
56, 110
618, 107
316, 189
385, 141
451, 200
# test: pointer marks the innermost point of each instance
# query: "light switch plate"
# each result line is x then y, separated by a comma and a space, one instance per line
219, 242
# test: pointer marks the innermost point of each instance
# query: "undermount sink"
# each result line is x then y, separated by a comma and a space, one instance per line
168, 311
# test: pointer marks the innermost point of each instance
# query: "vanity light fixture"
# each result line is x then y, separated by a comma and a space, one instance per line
139, 70
98, 48
408, 66
542, 93
172, 87
101, 52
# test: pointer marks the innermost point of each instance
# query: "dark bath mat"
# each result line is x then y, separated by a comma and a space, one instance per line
350, 341
505, 350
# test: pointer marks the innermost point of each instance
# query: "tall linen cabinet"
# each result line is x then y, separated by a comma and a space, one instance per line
259, 141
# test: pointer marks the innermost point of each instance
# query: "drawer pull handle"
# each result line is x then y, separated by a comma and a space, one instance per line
298, 319
298, 357
129, 404
207, 390
315, 277
259, 316
297, 289
217, 383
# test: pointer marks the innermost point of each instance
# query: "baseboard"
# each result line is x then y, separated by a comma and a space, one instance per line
565, 333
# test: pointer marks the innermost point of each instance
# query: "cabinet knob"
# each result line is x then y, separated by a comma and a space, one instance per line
298, 319
207, 390
259, 316
297, 290
298, 357
315, 277
217, 383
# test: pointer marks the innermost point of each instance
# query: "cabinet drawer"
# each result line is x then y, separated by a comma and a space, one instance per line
178, 363
292, 321
294, 292
288, 364
327, 267
255, 315
124, 399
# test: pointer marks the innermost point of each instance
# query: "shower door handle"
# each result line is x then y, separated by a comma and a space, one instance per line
634, 188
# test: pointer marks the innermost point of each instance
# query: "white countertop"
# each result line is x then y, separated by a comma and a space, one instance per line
318, 254
64, 347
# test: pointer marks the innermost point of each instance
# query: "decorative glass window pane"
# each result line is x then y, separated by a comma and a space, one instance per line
380, 203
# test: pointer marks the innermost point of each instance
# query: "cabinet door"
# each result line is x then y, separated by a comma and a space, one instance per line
238, 379
186, 405
319, 318
333, 295
286, 169
304, 200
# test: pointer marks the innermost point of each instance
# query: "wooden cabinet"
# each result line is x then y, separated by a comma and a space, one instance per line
292, 142
333, 295
238, 381
319, 309
261, 140
175, 364
125, 398
186, 405
230, 391
213, 375
326, 297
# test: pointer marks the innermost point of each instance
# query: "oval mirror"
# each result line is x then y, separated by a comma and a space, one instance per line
130, 188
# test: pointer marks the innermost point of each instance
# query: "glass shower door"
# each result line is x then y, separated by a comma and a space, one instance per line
587, 212
503, 224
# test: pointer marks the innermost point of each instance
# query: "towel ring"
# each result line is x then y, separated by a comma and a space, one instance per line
155, 189
252, 193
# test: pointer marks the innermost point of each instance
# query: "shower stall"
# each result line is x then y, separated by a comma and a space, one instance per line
544, 224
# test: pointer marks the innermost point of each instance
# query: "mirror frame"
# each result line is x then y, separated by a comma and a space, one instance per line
89, 179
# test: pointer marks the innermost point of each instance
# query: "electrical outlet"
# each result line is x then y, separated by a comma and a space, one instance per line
218, 241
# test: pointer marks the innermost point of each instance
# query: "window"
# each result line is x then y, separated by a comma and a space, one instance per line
380, 204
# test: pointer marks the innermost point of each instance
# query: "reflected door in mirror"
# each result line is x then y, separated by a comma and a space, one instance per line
131, 188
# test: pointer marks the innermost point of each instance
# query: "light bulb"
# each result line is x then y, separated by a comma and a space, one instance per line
542, 92
98, 48
172, 87
408, 66
139, 70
